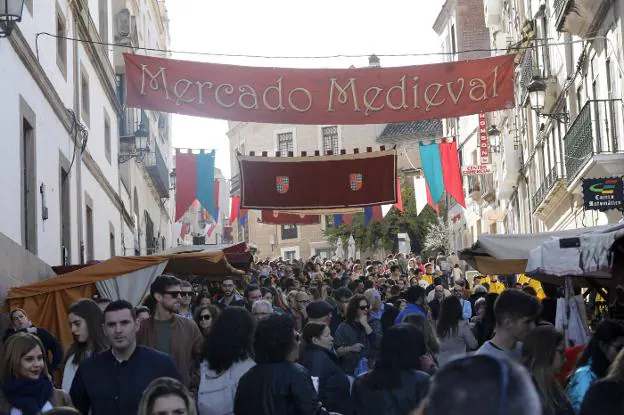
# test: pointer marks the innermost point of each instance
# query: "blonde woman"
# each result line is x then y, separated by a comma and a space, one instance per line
26, 385
167, 396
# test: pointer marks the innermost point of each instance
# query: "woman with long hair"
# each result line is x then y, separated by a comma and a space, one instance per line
205, 318
605, 344
26, 387
166, 396
455, 334
395, 385
605, 396
355, 335
228, 355
317, 355
429, 361
543, 354
484, 329
86, 323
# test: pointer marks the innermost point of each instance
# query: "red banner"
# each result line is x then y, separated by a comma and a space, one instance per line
319, 182
320, 96
273, 217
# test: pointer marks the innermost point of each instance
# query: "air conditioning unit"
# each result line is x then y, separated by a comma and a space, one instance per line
492, 12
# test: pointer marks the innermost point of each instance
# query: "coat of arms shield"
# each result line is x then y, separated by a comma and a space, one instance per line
281, 184
355, 181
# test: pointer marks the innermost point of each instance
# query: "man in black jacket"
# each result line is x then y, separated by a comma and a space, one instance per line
113, 381
21, 323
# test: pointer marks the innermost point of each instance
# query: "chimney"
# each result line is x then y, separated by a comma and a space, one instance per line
373, 61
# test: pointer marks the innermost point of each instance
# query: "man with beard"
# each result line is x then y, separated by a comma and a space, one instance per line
169, 333
229, 297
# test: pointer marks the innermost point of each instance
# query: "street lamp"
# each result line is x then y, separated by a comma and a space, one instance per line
494, 136
10, 14
537, 95
138, 145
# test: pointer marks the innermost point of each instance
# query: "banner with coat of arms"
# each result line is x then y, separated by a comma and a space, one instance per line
318, 182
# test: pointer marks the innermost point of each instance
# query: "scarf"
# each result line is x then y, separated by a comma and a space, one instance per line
28, 395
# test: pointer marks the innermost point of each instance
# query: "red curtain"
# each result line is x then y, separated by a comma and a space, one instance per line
451, 172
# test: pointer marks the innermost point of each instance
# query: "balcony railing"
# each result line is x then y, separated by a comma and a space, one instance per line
594, 131
158, 171
554, 176
527, 71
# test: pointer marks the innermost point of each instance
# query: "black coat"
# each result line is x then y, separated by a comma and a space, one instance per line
399, 401
277, 388
334, 386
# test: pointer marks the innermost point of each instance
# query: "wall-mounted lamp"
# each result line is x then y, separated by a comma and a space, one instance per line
10, 14
172, 179
494, 136
137, 144
537, 96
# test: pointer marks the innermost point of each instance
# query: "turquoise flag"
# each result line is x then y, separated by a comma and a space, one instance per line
205, 183
432, 167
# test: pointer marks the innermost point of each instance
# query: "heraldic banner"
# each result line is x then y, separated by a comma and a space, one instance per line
318, 182
274, 217
320, 96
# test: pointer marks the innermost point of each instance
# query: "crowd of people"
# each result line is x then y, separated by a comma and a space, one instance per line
398, 336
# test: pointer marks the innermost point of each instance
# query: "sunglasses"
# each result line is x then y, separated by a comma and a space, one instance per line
364, 307
186, 294
173, 294
205, 317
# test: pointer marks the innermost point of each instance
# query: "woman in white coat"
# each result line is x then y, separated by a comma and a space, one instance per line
228, 355
85, 320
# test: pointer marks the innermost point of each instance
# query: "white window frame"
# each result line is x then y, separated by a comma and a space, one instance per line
319, 137
285, 249
282, 131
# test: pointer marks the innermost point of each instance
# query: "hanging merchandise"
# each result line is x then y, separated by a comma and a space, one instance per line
318, 182
274, 217
320, 96
195, 181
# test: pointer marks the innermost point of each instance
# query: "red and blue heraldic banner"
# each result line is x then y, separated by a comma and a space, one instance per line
320, 96
274, 217
318, 182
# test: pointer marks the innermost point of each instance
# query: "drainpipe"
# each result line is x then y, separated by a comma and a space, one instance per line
78, 169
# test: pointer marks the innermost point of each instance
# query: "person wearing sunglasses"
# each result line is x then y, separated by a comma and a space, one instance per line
186, 299
170, 333
205, 317
593, 365
355, 336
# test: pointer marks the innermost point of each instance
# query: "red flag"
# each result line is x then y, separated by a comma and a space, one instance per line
234, 209
451, 172
216, 196
186, 182
377, 215
435, 206
399, 203
347, 219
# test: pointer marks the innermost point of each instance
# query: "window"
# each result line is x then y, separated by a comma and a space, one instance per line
61, 42
285, 143
330, 140
89, 217
290, 254
107, 137
29, 187
85, 105
103, 17
150, 244
65, 217
453, 42
289, 232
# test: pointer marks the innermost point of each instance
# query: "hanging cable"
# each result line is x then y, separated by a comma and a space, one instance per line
336, 56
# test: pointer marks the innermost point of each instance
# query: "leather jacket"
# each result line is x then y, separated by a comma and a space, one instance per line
334, 386
277, 388
398, 401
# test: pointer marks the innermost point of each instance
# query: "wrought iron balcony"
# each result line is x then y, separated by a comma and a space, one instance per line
527, 71
235, 184
158, 171
594, 131
553, 179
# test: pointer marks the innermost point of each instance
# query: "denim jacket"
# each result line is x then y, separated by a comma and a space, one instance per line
579, 384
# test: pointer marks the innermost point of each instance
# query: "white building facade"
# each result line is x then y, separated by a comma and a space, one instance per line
67, 197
